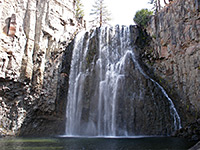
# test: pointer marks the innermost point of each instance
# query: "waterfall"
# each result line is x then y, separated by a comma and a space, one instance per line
109, 94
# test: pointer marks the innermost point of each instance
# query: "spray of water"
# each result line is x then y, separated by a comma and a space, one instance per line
95, 83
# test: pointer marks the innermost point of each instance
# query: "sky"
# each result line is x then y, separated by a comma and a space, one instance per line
122, 11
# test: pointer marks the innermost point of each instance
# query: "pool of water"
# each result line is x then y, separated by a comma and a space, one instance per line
97, 143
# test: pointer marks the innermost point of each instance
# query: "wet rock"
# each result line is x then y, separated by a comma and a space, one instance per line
175, 34
191, 131
195, 147
140, 106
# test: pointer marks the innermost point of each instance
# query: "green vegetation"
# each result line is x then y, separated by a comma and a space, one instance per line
13, 140
40, 148
30, 143
79, 9
142, 17
188, 107
100, 13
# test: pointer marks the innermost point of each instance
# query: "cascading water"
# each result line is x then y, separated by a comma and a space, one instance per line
109, 94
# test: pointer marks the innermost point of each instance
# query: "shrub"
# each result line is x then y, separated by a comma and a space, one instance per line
142, 17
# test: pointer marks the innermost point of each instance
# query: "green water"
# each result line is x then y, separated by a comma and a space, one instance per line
66, 143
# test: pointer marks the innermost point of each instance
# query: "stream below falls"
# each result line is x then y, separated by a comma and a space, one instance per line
67, 143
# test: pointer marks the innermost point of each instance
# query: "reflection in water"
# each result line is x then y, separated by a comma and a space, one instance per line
67, 143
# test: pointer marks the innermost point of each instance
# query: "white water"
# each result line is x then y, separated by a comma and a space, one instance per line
174, 113
108, 81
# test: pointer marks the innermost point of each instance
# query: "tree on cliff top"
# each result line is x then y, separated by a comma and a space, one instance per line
79, 9
100, 13
142, 17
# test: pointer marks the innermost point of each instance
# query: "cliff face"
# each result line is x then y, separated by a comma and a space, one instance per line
33, 82
33, 36
176, 49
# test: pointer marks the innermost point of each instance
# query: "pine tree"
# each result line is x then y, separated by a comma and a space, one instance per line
79, 9
100, 13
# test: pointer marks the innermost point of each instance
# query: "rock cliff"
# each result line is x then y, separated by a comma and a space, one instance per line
174, 57
33, 36
34, 65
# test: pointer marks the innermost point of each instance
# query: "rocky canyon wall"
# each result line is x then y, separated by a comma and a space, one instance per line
33, 36
34, 65
175, 56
